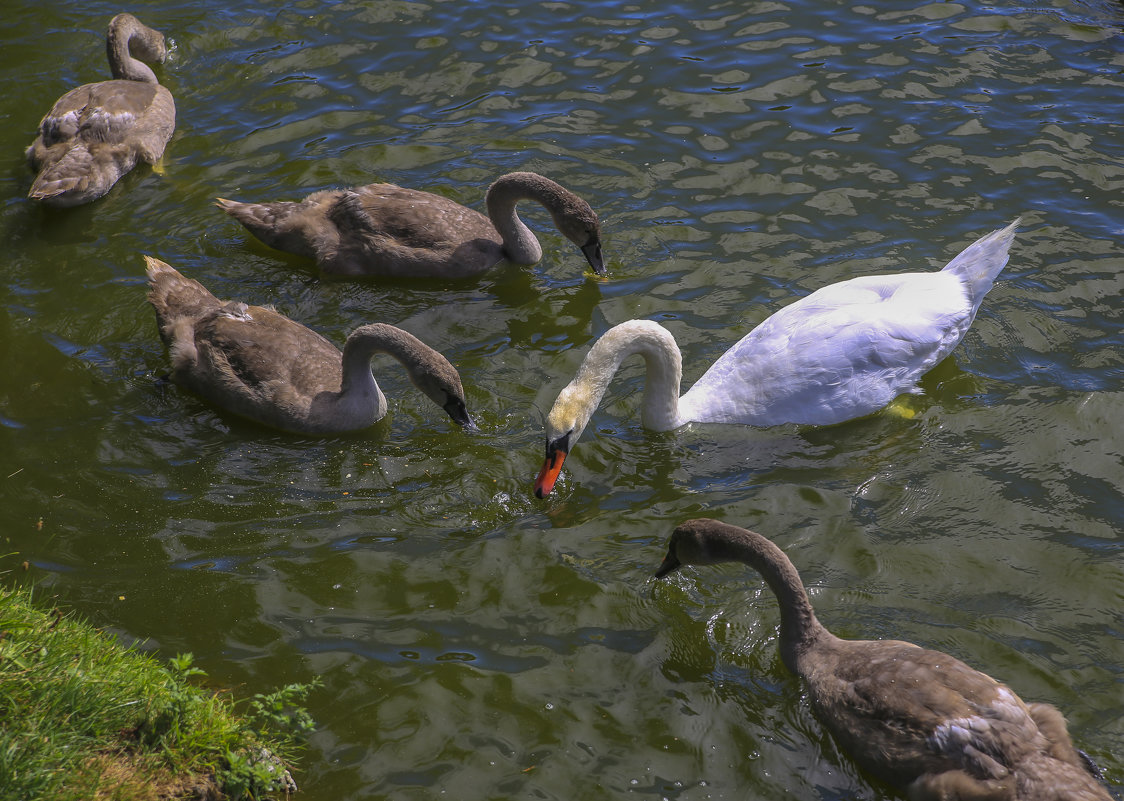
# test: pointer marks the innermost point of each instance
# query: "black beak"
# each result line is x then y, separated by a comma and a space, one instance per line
456, 409
592, 252
670, 564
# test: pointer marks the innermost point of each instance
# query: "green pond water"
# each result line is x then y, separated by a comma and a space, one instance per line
475, 642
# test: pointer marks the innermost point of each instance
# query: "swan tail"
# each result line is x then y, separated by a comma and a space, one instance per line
75, 176
978, 265
175, 297
280, 224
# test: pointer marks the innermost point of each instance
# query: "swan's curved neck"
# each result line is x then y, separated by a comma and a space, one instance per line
519, 243
799, 626
660, 406
126, 33
367, 340
358, 381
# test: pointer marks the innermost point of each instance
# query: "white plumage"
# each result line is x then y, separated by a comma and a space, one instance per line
842, 352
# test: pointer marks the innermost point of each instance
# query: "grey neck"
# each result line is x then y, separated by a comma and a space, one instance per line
368, 340
519, 243
126, 36
799, 626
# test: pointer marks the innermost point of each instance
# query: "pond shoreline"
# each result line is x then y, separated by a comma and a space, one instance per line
100, 719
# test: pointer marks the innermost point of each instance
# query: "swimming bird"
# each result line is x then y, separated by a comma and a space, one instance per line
844, 351
917, 719
257, 363
98, 132
386, 230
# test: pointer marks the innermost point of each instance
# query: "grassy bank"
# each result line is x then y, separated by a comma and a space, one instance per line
84, 717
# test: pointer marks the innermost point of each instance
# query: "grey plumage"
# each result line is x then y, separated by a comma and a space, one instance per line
98, 132
257, 363
387, 230
918, 719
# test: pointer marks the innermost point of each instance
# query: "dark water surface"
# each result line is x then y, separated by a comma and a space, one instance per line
476, 643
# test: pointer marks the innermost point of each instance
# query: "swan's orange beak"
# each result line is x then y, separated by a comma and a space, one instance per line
551, 468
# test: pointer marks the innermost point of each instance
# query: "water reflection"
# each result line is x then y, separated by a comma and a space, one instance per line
473, 640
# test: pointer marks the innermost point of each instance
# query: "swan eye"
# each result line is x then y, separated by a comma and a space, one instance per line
560, 444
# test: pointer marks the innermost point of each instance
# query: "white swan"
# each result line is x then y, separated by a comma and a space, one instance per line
917, 719
842, 352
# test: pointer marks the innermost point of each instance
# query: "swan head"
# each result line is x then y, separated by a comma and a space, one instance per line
696, 542
128, 37
578, 222
429, 371
441, 383
458, 411
565, 423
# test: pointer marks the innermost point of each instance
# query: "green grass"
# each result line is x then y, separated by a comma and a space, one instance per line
84, 717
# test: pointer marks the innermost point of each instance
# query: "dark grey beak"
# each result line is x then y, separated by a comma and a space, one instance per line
592, 252
670, 564
456, 409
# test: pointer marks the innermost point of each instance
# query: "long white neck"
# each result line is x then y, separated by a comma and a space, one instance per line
660, 406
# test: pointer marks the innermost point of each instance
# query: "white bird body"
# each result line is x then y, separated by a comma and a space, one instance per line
842, 352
